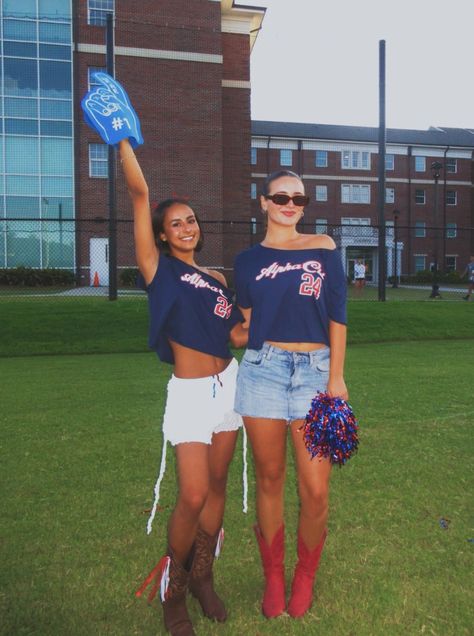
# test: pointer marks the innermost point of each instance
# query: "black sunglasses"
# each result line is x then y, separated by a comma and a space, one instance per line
282, 199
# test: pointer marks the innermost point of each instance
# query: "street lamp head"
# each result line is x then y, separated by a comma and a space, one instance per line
436, 167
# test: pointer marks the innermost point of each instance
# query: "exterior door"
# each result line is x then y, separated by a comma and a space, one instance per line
99, 262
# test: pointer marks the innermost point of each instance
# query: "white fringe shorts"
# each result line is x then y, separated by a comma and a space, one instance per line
195, 410
198, 408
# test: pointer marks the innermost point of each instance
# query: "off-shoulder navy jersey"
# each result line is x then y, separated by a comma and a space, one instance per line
293, 294
189, 307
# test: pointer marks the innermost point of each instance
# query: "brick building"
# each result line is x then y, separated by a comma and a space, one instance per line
339, 165
186, 67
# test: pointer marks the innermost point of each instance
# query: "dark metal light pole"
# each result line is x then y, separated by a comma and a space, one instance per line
382, 269
109, 46
395, 241
436, 172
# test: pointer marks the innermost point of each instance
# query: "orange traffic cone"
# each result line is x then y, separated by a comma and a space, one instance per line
96, 280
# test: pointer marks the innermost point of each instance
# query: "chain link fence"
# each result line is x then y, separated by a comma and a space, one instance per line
68, 258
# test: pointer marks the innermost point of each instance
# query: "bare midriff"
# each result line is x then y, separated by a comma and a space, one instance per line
301, 347
189, 363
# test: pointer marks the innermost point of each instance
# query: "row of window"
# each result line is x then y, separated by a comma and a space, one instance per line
32, 31
32, 9
37, 207
350, 193
23, 10
36, 156
37, 244
33, 78
360, 193
321, 227
422, 265
420, 229
352, 160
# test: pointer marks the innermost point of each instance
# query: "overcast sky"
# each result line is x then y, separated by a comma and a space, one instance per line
317, 61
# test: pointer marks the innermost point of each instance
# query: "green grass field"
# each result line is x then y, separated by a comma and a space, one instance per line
80, 450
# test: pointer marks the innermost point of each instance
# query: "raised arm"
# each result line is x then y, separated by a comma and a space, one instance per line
146, 250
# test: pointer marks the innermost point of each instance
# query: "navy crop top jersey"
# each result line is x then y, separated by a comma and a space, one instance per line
293, 294
189, 307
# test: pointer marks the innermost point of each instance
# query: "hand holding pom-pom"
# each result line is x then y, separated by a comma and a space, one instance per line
330, 429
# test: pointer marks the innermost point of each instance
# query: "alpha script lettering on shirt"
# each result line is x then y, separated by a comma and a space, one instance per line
313, 267
223, 307
311, 278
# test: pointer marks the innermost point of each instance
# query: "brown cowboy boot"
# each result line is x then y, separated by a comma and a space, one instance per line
172, 579
201, 582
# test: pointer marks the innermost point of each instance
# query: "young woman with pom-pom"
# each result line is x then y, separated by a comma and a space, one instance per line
292, 290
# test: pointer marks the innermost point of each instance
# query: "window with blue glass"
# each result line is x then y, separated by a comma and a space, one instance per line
55, 9
20, 77
23, 207
20, 49
56, 128
36, 158
55, 32
56, 186
57, 208
25, 108
98, 10
21, 126
56, 156
55, 52
55, 79
389, 162
19, 30
286, 158
23, 244
451, 230
19, 8
420, 263
57, 243
98, 161
21, 184
21, 156
420, 164
420, 229
55, 109
321, 159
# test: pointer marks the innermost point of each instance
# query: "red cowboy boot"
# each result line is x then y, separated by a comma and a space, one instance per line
302, 586
171, 578
273, 603
201, 582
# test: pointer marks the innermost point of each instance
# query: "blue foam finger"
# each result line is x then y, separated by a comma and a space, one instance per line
108, 110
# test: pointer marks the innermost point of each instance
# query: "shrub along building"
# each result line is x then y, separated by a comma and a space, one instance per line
186, 67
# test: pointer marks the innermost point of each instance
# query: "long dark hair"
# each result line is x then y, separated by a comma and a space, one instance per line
158, 219
276, 175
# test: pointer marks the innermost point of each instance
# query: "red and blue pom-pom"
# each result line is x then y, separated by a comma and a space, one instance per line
330, 429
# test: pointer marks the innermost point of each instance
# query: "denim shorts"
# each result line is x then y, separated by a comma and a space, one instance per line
278, 384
